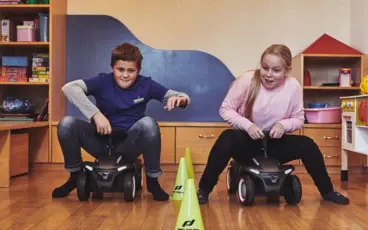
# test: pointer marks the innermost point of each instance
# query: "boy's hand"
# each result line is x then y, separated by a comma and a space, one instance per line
277, 131
102, 124
175, 102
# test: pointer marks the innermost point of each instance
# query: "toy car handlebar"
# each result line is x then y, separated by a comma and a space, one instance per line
117, 133
266, 134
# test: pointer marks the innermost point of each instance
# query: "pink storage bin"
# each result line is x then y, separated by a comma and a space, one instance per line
329, 115
26, 34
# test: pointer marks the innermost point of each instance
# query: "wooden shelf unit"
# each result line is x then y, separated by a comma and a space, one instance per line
24, 83
323, 59
324, 69
40, 132
26, 8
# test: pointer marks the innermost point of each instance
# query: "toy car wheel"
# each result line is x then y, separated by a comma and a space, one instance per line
292, 190
129, 186
82, 187
232, 177
246, 190
139, 177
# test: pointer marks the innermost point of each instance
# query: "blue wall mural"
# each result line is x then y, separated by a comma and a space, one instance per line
90, 39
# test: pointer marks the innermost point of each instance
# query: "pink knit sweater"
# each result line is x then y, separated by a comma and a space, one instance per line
284, 105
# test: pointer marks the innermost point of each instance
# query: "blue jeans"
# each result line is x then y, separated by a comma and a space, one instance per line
142, 138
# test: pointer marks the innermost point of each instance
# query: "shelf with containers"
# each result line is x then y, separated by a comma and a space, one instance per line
33, 66
327, 70
24, 59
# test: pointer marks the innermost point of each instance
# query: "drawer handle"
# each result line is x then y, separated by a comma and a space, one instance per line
329, 138
204, 136
327, 156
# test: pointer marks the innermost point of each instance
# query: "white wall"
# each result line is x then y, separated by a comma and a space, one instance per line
235, 31
359, 25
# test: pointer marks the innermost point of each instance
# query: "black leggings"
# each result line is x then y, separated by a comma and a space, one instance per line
238, 145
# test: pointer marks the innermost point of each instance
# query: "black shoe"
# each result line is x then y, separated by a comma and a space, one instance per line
336, 197
157, 192
202, 196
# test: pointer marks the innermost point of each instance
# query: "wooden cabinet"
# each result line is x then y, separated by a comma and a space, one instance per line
49, 55
167, 145
200, 141
200, 138
329, 142
19, 153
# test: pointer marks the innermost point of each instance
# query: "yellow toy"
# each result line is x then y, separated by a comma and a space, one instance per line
364, 84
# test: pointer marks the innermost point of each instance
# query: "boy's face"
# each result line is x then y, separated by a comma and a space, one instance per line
125, 73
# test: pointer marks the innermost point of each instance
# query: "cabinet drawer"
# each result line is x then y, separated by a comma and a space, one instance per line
167, 144
331, 155
324, 137
56, 153
198, 139
19, 154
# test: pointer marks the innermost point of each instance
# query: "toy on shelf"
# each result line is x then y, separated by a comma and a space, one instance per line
364, 84
40, 68
345, 77
14, 69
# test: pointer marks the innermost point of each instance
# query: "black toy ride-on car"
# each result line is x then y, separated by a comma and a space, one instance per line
264, 176
111, 173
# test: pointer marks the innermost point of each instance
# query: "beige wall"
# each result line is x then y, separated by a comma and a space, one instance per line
359, 26
235, 31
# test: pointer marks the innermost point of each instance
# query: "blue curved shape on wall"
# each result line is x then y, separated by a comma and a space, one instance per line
90, 39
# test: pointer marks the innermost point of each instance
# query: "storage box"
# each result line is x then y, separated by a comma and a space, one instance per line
26, 34
330, 115
7, 32
14, 61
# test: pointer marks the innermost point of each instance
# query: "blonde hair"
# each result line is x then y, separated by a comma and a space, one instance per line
277, 49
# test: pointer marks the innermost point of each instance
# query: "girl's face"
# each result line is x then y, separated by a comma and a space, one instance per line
273, 71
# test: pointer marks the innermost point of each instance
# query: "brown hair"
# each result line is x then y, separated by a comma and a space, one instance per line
277, 49
126, 52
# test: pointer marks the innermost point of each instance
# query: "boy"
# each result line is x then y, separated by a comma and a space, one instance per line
121, 100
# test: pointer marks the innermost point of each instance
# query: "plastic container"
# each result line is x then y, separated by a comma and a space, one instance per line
14, 61
317, 105
26, 34
330, 115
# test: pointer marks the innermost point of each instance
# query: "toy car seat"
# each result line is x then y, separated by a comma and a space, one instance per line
111, 173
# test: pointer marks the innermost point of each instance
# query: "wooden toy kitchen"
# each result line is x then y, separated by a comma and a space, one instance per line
354, 126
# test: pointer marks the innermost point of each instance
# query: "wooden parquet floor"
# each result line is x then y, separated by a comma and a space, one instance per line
28, 205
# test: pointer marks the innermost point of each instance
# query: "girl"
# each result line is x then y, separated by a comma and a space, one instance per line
267, 99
